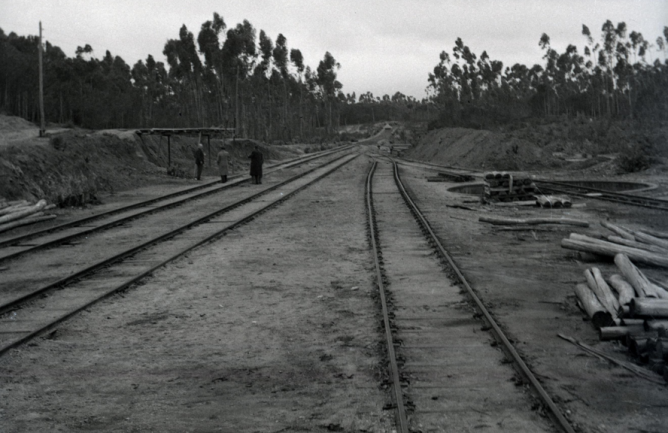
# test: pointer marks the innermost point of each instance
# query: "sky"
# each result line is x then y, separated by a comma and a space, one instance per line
383, 46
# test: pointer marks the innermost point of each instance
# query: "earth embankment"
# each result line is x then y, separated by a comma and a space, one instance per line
72, 166
480, 149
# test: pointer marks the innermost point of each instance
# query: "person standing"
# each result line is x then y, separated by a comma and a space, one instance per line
256, 165
199, 160
222, 161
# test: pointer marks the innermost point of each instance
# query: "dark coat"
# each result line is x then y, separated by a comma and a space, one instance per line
199, 156
256, 163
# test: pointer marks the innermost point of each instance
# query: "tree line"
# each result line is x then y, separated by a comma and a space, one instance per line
621, 76
227, 77
236, 78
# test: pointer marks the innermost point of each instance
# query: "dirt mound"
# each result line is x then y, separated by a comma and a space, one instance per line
15, 128
78, 164
480, 149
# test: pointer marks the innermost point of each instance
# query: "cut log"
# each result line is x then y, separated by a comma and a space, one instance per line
642, 286
29, 211
610, 249
517, 203
636, 345
32, 219
623, 288
602, 291
553, 201
596, 312
661, 326
12, 209
533, 221
649, 239
648, 307
618, 230
619, 332
625, 321
655, 233
639, 245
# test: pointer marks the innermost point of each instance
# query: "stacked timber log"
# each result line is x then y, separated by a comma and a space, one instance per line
628, 306
553, 201
504, 187
19, 213
638, 245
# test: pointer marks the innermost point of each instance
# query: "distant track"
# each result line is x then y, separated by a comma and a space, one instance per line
601, 194
552, 186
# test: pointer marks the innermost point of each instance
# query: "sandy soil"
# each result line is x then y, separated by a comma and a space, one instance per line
273, 328
527, 279
270, 329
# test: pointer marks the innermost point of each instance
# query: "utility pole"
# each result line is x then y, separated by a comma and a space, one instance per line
42, 122
236, 118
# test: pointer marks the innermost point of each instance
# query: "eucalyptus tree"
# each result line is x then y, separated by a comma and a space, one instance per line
185, 70
208, 41
297, 60
280, 55
329, 86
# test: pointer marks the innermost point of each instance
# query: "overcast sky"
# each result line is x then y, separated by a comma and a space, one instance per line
383, 46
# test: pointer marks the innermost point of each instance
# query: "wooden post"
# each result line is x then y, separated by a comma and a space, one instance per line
236, 117
208, 147
42, 122
169, 151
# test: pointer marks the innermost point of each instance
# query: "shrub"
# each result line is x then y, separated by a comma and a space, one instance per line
634, 159
58, 143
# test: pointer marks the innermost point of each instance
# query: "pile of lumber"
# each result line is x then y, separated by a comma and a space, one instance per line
642, 246
631, 308
19, 213
502, 186
553, 201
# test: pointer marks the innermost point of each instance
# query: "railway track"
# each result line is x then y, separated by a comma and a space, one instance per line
29, 311
17, 246
555, 187
601, 194
445, 367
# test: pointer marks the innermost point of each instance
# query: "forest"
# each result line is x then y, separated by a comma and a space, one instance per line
238, 78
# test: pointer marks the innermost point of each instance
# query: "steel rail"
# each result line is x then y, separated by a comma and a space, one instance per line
207, 239
402, 422
422, 220
617, 197
81, 221
15, 303
120, 221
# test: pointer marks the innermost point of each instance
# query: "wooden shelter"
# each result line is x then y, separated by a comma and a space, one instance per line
168, 132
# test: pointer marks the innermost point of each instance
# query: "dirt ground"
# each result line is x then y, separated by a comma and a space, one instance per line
273, 328
528, 279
